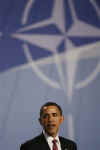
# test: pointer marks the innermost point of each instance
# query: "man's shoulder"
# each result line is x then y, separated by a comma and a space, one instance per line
34, 141
67, 141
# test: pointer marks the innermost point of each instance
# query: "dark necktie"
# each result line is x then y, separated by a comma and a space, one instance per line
55, 145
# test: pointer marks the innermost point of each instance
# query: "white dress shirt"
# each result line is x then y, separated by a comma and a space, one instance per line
49, 139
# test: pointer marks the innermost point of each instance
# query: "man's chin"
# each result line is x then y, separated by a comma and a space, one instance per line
51, 133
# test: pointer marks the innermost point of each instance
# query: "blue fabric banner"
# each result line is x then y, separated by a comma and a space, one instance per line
49, 51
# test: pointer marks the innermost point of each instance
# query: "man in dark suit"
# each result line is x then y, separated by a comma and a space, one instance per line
51, 118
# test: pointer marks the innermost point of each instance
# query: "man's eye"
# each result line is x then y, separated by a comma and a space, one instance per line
54, 114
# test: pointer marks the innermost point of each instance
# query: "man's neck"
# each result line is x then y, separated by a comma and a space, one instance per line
47, 135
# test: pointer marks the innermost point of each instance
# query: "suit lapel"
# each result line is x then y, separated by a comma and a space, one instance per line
44, 145
64, 146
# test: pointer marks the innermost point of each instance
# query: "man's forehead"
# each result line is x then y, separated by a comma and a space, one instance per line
50, 108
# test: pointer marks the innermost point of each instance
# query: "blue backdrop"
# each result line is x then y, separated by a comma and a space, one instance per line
49, 51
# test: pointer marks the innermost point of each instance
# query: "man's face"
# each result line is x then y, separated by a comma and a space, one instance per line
51, 120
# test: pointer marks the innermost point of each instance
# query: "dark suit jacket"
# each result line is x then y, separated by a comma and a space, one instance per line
40, 143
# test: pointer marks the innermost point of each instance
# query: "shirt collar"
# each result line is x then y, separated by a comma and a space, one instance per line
50, 138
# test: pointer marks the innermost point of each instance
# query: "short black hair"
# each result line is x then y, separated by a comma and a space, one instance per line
50, 104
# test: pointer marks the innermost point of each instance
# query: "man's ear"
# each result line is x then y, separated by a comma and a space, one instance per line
40, 121
62, 119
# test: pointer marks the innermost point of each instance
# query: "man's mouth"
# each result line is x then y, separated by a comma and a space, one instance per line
51, 125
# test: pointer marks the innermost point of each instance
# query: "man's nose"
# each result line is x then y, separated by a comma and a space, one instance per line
50, 118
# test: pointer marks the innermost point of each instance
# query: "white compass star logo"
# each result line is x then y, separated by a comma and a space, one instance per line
50, 42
